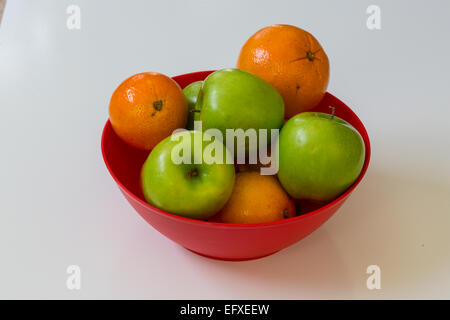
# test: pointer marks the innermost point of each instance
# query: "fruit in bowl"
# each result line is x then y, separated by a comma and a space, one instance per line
203, 204
235, 99
292, 61
195, 189
320, 156
146, 108
191, 93
222, 240
256, 198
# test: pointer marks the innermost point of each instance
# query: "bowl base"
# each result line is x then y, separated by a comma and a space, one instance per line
229, 259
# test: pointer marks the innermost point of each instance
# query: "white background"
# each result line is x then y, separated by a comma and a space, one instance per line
60, 207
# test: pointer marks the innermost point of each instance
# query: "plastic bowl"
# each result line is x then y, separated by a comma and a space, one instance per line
219, 240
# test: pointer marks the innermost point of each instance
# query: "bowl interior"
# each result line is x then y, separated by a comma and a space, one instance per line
125, 162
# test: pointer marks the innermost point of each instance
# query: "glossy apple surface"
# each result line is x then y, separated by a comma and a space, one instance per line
236, 99
192, 190
191, 93
320, 156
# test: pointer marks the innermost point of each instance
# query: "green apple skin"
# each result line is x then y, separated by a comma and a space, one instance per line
319, 156
233, 99
191, 93
175, 189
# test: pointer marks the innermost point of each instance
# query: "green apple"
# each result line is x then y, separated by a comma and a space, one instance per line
197, 188
191, 93
236, 99
320, 156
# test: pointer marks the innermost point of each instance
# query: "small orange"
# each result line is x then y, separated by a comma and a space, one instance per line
292, 61
146, 108
256, 198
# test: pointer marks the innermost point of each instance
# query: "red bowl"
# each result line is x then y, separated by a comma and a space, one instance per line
220, 240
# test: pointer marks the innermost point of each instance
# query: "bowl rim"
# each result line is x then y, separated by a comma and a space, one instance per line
332, 203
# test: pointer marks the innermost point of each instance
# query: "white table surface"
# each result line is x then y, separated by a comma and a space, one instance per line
60, 207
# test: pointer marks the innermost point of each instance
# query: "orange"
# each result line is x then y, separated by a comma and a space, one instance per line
292, 61
147, 108
256, 198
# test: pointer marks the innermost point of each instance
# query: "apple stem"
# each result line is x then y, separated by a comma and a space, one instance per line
195, 110
192, 173
333, 109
